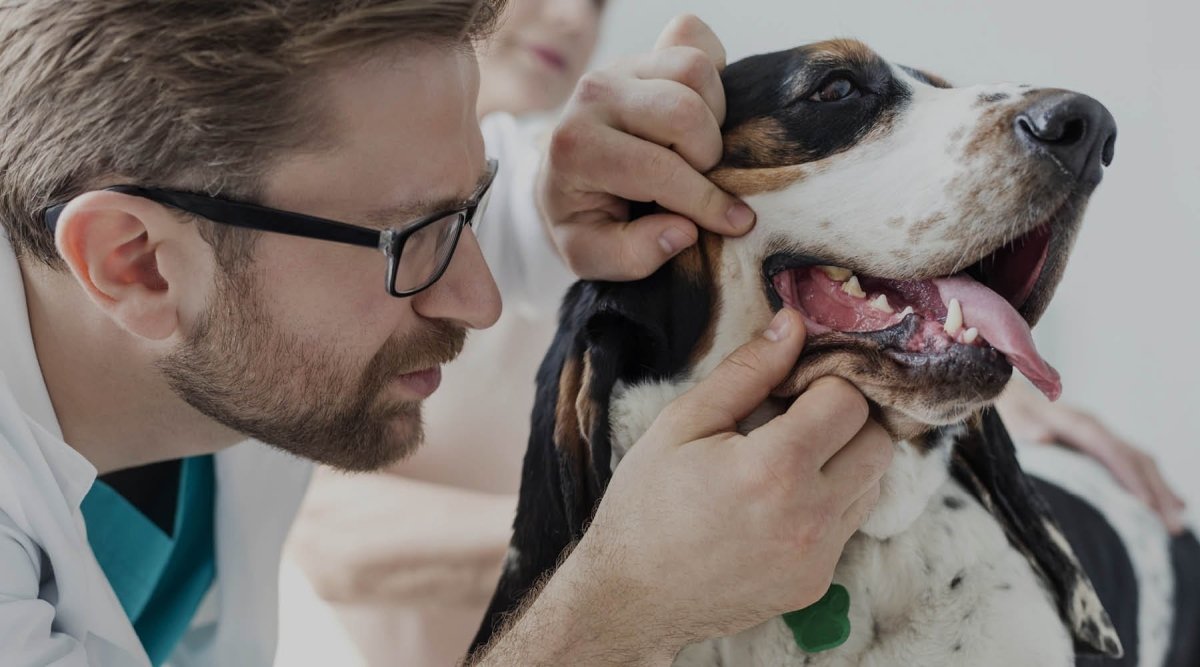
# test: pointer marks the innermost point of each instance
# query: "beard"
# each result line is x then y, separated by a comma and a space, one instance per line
240, 370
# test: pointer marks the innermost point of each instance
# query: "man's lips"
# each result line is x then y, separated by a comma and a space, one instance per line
423, 382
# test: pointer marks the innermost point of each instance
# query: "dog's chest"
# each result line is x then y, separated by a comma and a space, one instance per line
949, 590
933, 580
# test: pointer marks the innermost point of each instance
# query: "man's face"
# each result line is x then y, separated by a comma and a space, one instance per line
304, 348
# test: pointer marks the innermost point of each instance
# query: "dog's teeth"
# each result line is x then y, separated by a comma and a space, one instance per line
954, 318
837, 273
853, 288
880, 303
970, 335
908, 310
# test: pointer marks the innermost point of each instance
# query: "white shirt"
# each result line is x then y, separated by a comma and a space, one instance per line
56, 606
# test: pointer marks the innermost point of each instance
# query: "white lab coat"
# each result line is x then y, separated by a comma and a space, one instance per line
56, 606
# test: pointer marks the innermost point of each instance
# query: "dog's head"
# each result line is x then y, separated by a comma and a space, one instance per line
920, 229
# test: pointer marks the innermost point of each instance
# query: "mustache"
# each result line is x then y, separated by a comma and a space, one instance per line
436, 344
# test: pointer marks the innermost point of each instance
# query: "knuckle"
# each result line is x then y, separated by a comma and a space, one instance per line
711, 198
565, 141
593, 88
686, 112
693, 67
661, 168
814, 530
748, 359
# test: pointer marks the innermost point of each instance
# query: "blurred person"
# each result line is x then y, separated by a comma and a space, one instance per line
415, 583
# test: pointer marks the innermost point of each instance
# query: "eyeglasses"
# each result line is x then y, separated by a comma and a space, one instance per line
427, 244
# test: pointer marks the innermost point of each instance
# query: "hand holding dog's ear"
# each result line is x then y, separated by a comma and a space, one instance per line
643, 130
759, 519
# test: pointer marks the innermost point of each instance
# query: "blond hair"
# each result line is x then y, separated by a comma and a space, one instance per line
196, 94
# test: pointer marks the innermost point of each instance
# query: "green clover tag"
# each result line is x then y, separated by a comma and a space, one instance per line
823, 625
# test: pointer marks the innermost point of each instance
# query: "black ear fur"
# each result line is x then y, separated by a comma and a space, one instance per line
986, 464
608, 332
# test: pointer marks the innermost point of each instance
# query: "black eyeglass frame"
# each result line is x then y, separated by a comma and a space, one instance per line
389, 241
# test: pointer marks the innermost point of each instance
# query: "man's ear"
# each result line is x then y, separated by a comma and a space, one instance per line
111, 243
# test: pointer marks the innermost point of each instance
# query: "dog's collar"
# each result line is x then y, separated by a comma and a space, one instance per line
823, 625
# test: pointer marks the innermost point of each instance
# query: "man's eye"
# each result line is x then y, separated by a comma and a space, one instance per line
835, 89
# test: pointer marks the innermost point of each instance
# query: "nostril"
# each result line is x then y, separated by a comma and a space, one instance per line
1073, 131
1109, 151
1066, 133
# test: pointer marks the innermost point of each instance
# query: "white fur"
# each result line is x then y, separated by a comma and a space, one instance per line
898, 571
929, 176
900, 588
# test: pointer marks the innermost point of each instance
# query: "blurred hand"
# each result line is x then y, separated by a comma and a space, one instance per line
1031, 418
643, 130
703, 531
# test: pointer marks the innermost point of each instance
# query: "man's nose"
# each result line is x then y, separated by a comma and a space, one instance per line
1075, 130
466, 294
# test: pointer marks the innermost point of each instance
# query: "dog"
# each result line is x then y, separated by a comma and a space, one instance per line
921, 230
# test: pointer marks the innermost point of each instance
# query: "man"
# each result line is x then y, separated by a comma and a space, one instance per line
196, 196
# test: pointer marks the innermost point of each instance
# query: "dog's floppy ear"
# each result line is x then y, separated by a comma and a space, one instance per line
986, 464
608, 333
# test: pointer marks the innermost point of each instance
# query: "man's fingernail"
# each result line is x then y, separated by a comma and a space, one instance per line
674, 240
778, 329
740, 216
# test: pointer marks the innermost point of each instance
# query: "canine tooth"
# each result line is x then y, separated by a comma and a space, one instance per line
970, 335
881, 303
853, 288
954, 318
908, 310
837, 273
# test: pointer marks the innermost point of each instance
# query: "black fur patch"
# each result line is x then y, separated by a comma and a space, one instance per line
985, 463
643, 330
774, 90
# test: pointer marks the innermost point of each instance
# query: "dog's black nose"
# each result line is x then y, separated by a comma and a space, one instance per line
1075, 130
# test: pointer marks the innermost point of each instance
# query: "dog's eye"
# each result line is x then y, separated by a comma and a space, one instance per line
837, 88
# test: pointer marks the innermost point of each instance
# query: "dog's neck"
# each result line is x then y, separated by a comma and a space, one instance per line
920, 466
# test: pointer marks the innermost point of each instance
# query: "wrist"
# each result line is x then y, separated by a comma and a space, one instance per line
585, 616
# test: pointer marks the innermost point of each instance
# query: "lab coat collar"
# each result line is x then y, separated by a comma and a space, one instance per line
72, 472
19, 364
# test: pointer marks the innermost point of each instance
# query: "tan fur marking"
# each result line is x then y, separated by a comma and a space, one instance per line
850, 50
567, 437
585, 407
746, 182
762, 141
935, 80
923, 227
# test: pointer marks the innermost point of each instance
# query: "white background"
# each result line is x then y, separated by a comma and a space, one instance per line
1123, 328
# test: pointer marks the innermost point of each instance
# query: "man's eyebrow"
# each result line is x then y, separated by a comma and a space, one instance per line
418, 208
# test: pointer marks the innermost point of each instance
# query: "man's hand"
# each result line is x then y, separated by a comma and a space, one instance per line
1029, 417
703, 531
643, 130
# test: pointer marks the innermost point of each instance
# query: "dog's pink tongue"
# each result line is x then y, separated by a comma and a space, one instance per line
1002, 326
